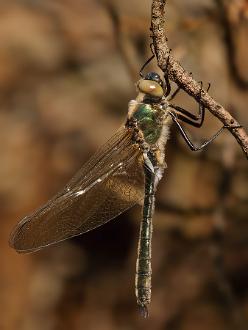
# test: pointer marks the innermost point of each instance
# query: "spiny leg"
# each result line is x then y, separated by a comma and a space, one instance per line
182, 114
144, 65
188, 117
187, 139
173, 95
166, 78
148, 61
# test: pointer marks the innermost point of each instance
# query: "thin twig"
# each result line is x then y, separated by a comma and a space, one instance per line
184, 79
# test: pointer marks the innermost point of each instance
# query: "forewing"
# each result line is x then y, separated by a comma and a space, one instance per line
111, 182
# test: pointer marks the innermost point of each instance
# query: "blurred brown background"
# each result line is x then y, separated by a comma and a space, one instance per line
67, 72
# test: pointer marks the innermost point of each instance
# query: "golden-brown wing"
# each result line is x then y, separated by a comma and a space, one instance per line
111, 182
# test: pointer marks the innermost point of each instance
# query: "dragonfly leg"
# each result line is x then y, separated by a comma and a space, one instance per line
145, 64
148, 61
187, 139
166, 78
188, 117
173, 95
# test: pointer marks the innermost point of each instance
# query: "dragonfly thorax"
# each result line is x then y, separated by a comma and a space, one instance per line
149, 120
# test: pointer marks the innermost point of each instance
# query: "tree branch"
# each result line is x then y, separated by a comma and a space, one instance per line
184, 80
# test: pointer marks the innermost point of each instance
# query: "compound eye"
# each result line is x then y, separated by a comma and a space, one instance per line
152, 88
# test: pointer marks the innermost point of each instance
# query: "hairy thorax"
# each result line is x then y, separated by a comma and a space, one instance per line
153, 123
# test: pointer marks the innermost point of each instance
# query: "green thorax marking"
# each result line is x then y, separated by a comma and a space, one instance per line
149, 121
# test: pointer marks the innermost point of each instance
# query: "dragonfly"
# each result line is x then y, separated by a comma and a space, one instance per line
125, 171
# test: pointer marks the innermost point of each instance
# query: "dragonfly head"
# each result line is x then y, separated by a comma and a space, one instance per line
154, 76
152, 86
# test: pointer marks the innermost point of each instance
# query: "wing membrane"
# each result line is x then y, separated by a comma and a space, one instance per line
108, 184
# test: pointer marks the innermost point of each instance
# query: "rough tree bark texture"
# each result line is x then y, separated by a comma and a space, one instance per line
67, 72
184, 79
